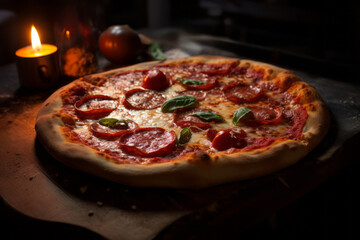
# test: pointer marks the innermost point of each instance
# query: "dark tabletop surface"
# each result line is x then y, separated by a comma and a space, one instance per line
52, 196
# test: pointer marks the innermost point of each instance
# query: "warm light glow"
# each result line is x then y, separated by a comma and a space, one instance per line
35, 40
67, 34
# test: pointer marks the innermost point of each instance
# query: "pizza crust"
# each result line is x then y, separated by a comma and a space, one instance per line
194, 170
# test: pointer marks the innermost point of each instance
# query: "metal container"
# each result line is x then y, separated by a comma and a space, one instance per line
38, 72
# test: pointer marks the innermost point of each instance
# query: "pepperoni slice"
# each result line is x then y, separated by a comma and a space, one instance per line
209, 81
298, 121
111, 134
130, 74
221, 68
128, 79
96, 106
254, 75
141, 99
200, 95
248, 73
238, 71
229, 138
183, 118
264, 115
73, 95
214, 68
241, 93
148, 142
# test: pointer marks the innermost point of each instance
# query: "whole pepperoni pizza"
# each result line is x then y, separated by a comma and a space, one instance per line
183, 123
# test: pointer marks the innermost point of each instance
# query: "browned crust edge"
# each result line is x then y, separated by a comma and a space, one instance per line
189, 171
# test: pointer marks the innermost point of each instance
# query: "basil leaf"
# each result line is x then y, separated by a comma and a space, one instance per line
239, 113
208, 116
185, 136
156, 52
188, 81
113, 122
178, 102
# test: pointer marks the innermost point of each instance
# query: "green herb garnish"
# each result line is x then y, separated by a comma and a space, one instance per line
178, 102
188, 81
239, 113
208, 116
185, 136
114, 123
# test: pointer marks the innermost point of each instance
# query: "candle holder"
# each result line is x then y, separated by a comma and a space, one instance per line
38, 72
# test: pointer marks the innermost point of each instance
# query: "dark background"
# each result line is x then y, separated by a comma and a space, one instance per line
324, 32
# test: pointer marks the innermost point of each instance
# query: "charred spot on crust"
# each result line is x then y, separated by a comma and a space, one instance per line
305, 95
286, 82
200, 157
205, 157
311, 107
269, 74
308, 93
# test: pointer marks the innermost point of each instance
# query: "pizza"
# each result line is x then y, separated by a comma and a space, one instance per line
183, 123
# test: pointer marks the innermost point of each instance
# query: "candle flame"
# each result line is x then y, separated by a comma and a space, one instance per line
35, 39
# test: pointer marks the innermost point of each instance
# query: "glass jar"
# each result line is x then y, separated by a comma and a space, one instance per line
76, 41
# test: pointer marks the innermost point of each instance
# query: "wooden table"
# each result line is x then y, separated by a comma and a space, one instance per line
36, 185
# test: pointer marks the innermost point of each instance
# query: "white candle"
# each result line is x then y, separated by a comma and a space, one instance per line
38, 64
36, 49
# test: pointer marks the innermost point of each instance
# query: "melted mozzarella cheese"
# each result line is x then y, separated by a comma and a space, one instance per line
155, 118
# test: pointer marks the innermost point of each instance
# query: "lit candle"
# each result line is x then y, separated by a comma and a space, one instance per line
36, 49
38, 64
